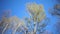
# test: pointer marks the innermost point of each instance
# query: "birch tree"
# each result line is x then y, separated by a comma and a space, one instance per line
4, 20
37, 15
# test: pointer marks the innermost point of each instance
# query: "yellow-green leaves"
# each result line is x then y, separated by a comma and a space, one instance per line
33, 8
16, 22
13, 22
36, 11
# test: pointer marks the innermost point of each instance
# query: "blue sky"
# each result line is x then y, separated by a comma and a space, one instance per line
18, 8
